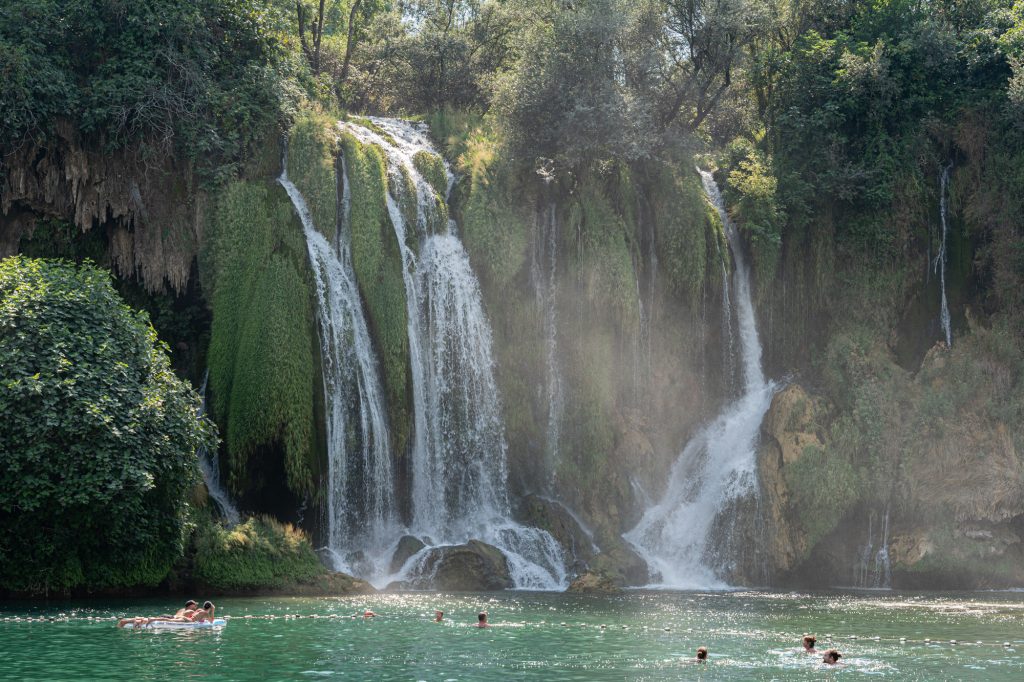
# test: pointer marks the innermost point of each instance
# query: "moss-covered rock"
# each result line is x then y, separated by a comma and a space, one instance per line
378, 267
472, 567
262, 337
312, 154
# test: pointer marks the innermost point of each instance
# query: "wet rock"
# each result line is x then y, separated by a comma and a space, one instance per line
472, 567
619, 563
407, 546
593, 583
557, 520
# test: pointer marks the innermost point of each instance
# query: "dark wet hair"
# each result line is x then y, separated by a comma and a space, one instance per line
810, 639
482, 616
835, 655
702, 652
191, 602
208, 605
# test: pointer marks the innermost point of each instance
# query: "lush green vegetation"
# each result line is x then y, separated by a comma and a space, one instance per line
259, 554
262, 336
98, 435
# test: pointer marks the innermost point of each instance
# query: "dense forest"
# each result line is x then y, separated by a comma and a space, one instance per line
869, 153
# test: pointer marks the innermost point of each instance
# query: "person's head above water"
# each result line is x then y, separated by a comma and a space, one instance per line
702, 653
438, 615
481, 619
831, 657
809, 642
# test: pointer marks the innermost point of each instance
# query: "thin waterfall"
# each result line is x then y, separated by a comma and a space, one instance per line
209, 465
544, 272
459, 452
873, 569
728, 342
940, 258
361, 519
716, 472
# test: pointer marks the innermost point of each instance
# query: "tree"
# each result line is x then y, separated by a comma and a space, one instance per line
98, 437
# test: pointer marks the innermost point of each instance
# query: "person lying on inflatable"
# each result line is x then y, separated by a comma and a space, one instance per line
189, 614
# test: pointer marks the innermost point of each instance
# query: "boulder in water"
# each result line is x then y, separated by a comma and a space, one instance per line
407, 546
472, 567
556, 519
594, 583
620, 564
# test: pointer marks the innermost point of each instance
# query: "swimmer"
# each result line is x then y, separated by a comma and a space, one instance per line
481, 620
702, 654
809, 642
369, 614
438, 616
831, 657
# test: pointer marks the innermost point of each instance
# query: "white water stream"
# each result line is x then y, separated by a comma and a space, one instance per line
717, 468
941, 257
360, 482
459, 458
209, 465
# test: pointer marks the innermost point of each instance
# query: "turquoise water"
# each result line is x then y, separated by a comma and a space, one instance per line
646, 636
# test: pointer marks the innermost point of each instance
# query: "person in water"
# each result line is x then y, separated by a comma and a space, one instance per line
203, 614
438, 616
702, 654
369, 614
809, 642
481, 620
831, 657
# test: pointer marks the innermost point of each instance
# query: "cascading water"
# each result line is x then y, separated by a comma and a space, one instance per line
678, 537
360, 488
209, 465
459, 464
873, 569
544, 271
941, 257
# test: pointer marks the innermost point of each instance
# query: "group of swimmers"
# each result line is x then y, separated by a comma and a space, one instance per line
190, 613
481, 618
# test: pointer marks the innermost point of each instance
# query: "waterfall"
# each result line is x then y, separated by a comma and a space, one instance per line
717, 470
544, 272
459, 452
941, 257
209, 465
360, 502
873, 569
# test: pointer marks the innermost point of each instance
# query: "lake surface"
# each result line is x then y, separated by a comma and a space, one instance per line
535, 636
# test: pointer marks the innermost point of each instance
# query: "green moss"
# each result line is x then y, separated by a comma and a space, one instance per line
261, 346
260, 554
378, 267
312, 150
690, 237
823, 487
495, 229
431, 167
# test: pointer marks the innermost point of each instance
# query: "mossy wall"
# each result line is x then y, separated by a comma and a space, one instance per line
312, 153
378, 267
262, 335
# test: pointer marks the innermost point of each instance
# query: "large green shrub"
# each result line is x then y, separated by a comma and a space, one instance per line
258, 554
97, 439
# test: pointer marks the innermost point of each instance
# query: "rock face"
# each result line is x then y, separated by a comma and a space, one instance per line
154, 216
472, 567
788, 428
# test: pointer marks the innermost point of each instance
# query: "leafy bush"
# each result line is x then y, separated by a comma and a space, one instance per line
258, 554
98, 437
198, 77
